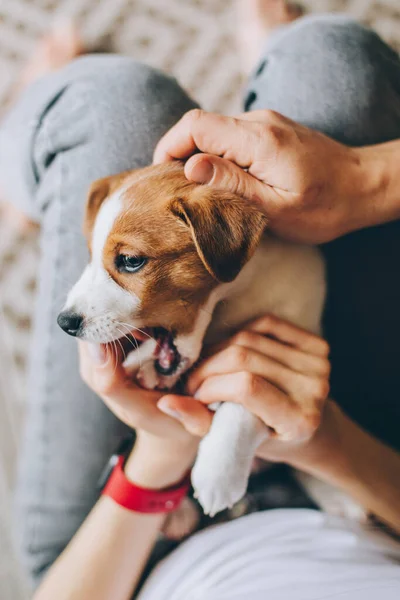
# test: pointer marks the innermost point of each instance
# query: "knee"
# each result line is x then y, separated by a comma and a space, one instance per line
118, 107
138, 92
332, 74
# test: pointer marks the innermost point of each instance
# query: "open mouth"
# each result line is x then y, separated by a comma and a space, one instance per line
166, 354
167, 359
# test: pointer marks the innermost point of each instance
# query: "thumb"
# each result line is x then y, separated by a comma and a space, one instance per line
194, 416
223, 174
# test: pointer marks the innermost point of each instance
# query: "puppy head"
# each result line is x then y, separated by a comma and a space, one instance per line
160, 250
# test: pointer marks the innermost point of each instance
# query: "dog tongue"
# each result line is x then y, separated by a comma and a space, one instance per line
166, 353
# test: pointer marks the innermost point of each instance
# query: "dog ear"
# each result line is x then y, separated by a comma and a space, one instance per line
98, 192
225, 228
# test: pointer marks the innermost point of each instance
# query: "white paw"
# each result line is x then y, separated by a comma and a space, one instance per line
140, 364
225, 458
147, 376
220, 483
137, 358
183, 521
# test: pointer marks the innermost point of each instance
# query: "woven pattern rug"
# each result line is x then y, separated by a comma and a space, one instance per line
194, 40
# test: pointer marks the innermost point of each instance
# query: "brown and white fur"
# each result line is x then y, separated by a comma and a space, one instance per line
210, 267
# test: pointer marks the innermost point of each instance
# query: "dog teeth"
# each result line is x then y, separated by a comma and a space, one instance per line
167, 355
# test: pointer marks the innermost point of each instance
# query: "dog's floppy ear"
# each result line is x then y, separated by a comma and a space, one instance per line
225, 228
98, 192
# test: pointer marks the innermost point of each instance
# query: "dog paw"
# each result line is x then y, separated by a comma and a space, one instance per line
218, 487
147, 376
139, 364
183, 521
225, 457
139, 356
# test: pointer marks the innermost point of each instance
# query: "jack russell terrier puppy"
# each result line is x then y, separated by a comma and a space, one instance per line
188, 265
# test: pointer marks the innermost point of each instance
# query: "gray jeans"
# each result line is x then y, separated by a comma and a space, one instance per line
102, 115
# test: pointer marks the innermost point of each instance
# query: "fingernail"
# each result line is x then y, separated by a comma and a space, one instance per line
166, 409
202, 171
97, 353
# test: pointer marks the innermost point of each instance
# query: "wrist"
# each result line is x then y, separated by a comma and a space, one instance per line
349, 458
326, 450
157, 463
323, 455
375, 198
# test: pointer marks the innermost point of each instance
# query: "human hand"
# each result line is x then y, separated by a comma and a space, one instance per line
277, 371
164, 450
309, 186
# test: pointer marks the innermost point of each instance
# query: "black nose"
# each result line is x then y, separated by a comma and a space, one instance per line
70, 322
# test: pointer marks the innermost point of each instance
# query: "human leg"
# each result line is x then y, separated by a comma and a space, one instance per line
97, 116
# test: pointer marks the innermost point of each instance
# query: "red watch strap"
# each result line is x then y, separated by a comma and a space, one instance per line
143, 500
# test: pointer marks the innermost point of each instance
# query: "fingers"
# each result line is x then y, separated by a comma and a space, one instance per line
99, 363
142, 409
288, 419
131, 404
101, 367
225, 175
288, 356
236, 358
263, 399
290, 334
235, 138
231, 138
304, 387
278, 371
194, 416
229, 145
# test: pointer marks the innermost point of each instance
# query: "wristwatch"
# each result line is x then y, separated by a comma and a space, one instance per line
114, 483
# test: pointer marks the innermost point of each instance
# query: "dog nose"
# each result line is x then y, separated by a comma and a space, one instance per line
70, 322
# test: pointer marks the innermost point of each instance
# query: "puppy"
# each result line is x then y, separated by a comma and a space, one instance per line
180, 265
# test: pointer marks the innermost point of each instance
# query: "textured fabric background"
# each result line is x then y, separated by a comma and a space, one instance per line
193, 39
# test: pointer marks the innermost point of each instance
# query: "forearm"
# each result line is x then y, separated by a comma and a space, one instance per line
379, 183
346, 456
107, 556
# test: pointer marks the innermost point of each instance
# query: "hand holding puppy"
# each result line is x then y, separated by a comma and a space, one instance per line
312, 188
164, 450
276, 370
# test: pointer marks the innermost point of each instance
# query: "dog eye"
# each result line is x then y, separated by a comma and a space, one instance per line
130, 264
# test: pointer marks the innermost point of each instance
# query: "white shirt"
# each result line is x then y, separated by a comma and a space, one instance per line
280, 555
